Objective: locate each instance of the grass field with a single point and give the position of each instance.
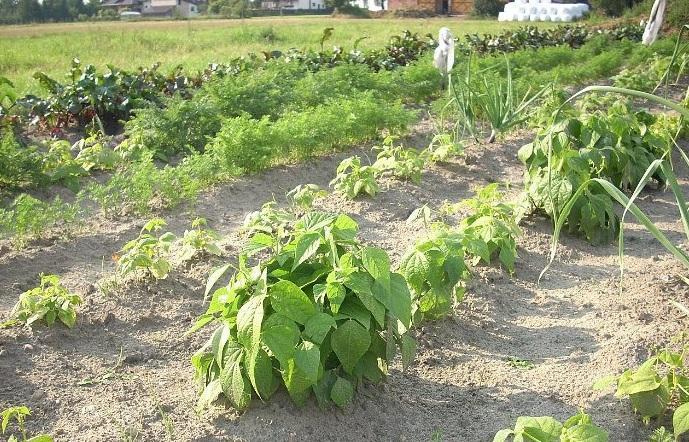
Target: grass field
(193, 44)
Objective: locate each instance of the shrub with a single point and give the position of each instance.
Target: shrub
(614, 8)
(48, 302)
(488, 7)
(19, 167)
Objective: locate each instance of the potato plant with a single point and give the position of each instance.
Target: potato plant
(319, 314)
(578, 428)
(49, 302)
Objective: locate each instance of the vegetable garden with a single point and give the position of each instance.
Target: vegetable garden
(337, 244)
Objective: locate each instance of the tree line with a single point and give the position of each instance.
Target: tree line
(33, 11)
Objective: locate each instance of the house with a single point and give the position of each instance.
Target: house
(122, 5)
(455, 7)
(170, 8)
(371, 5)
(294, 5)
(156, 8)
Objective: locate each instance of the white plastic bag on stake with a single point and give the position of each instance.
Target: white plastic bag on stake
(654, 22)
(444, 56)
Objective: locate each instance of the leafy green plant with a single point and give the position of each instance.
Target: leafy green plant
(319, 315)
(19, 166)
(444, 146)
(579, 427)
(614, 144)
(352, 178)
(492, 225)
(304, 195)
(658, 385)
(94, 154)
(19, 414)
(198, 239)
(497, 100)
(148, 251)
(60, 166)
(402, 163)
(48, 302)
(435, 272)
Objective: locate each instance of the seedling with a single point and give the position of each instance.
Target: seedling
(523, 364)
(48, 302)
(353, 178)
(19, 414)
(304, 195)
(406, 164)
(547, 429)
(198, 240)
(147, 252)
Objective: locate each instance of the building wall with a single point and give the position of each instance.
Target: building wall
(453, 6)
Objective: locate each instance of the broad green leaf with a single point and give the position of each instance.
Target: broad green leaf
(651, 403)
(235, 385)
(318, 326)
(290, 301)
(342, 392)
(584, 433)
(680, 420)
(377, 262)
(218, 341)
(216, 274)
(308, 359)
(349, 342)
(281, 335)
(336, 294)
(345, 228)
(307, 246)
(414, 266)
(644, 379)
(296, 382)
(262, 375)
(543, 427)
(400, 299)
(323, 387)
(249, 320)
(408, 350)
(353, 309)
(604, 382)
(210, 394)
(502, 435)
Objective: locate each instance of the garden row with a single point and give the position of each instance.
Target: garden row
(314, 310)
(254, 119)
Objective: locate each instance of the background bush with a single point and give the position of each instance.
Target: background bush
(613, 8)
(488, 7)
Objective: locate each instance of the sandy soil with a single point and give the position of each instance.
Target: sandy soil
(129, 353)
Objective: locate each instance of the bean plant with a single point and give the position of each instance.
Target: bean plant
(658, 386)
(198, 239)
(49, 302)
(578, 428)
(319, 314)
(18, 414)
(148, 252)
(353, 178)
